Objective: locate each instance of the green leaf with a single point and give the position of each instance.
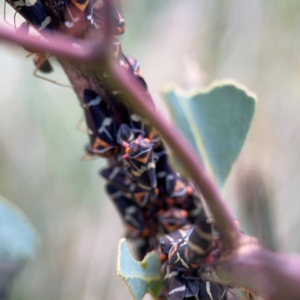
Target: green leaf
(215, 120)
(18, 242)
(140, 277)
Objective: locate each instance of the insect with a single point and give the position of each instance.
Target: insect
(182, 260)
(101, 128)
(130, 213)
(139, 154)
(40, 59)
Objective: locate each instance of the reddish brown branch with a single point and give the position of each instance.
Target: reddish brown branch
(62, 46)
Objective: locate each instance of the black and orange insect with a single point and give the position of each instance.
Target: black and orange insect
(183, 251)
(101, 128)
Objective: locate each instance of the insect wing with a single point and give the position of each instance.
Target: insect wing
(174, 283)
(211, 291)
(34, 11)
(142, 165)
(101, 127)
(192, 287)
(118, 177)
(125, 134)
(199, 241)
(130, 212)
(194, 207)
(166, 176)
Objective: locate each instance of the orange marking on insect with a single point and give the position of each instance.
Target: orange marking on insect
(98, 142)
(120, 30)
(174, 249)
(189, 190)
(130, 228)
(184, 213)
(163, 257)
(138, 197)
(81, 6)
(146, 232)
(143, 159)
(127, 150)
(170, 201)
(194, 266)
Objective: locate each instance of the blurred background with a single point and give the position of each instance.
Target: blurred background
(190, 43)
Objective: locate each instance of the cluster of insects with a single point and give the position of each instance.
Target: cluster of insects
(161, 210)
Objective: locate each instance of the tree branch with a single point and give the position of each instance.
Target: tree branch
(60, 45)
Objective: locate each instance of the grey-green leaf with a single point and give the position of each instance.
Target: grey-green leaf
(140, 277)
(215, 120)
(18, 242)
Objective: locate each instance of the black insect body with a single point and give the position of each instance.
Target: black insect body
(180, 272)
(141, 162)
(42, 63)
(200, 241)
(101, 128)
(129, 211)
(153, 200)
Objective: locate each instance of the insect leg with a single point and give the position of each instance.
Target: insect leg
(38, 67)
(4, 16)
(80, 128)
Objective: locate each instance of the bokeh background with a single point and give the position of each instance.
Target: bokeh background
(190, 43)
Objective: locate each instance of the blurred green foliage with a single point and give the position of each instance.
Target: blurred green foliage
(18, 243)
(190, 43)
